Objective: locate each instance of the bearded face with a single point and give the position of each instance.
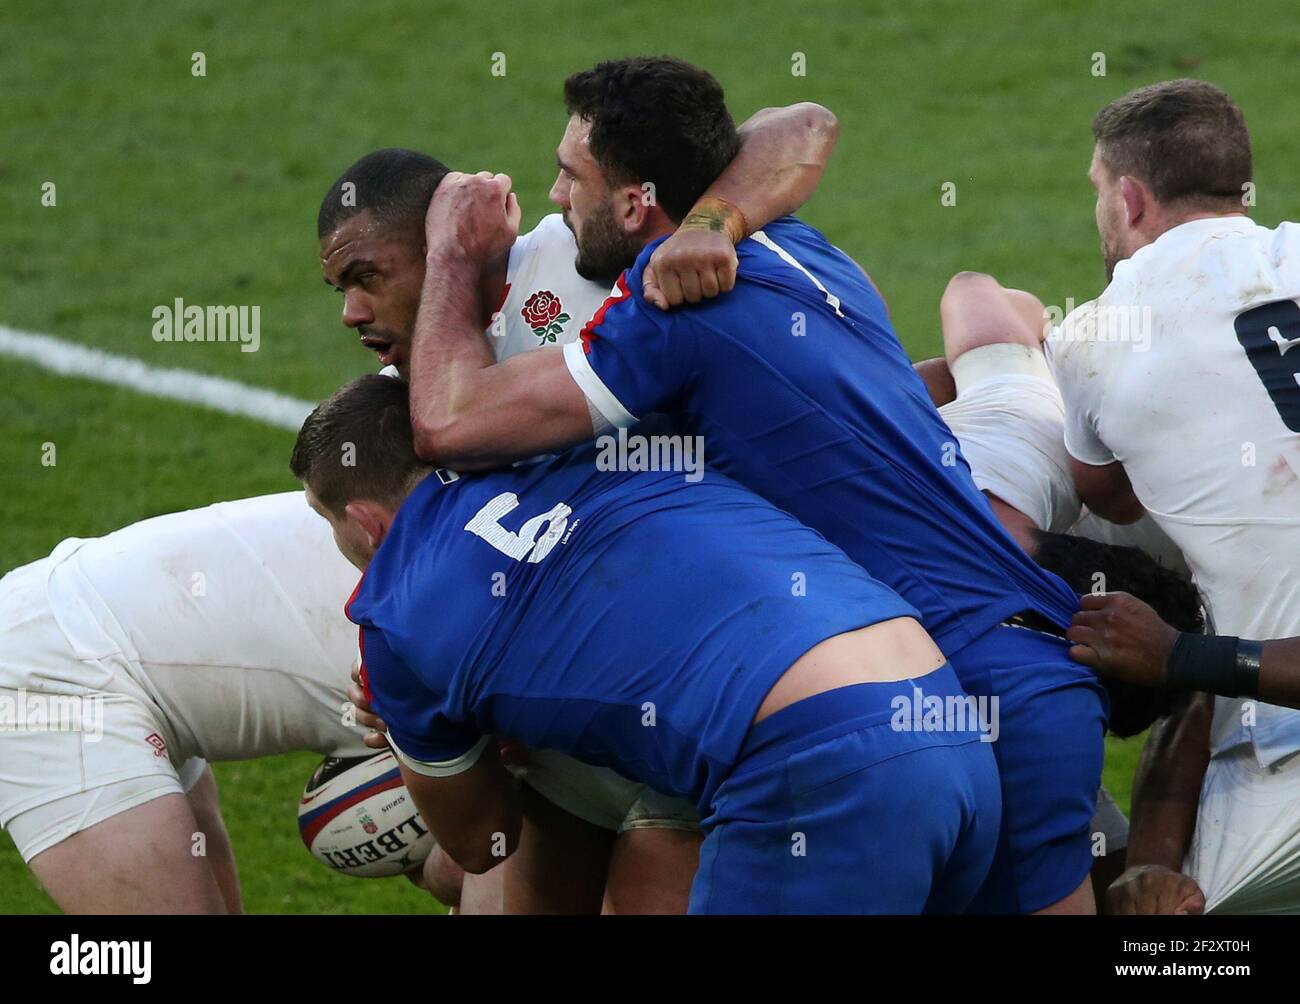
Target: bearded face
(605, 249)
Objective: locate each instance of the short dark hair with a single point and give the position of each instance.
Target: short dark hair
(358, 444)
(1129, 570)
(395, 186)
(1186, 139)
(656, 119)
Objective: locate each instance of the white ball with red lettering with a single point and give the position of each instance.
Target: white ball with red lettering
(356, 816)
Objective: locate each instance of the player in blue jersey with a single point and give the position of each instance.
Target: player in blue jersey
(679, 630)
(801, 392)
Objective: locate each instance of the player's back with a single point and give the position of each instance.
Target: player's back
(228, 618)
(802, 392)
(632, 620)
(1187, 369)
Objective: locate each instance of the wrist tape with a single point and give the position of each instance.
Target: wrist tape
(1217, 664)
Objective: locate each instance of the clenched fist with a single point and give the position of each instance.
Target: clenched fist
(691, 265)
(475, 216)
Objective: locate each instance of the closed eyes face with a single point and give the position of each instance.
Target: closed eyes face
(379, 278)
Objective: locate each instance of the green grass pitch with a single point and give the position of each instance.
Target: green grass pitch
(171, 185)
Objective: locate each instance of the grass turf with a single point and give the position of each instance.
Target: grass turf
(205, 188)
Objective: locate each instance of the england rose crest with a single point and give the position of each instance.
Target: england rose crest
(544, 313)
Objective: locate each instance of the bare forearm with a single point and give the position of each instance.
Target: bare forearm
(474, 817)
(1279, 672)
(469, 412)
(1167, 785)
(448, 348)
(782, 156)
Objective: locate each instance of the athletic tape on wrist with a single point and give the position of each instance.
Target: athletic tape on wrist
(1217, 664)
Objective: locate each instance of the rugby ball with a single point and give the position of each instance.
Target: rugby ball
(357, 817)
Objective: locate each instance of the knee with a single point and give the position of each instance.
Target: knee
(967, 287)
(968, 280)
(1031, 310)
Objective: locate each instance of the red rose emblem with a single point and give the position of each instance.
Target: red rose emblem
(544, 313)
(541, 308)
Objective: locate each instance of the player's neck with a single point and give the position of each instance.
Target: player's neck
(663, 229)
(1178, 220)
(656, 224)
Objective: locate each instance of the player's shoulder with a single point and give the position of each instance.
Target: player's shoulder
(779, 239)
(1071, 343)
(1200, 245)
(789, 253)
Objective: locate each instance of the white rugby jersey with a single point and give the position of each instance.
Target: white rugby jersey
(1010, 421)
(546, 301)
(228, 618)
(1185, 370)
(1009, 427)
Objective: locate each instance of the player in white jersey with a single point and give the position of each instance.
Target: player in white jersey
(593, 840)
(995, 391)
(213, 634)
(1182, 399)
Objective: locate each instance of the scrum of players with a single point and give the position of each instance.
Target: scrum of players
(626, 691)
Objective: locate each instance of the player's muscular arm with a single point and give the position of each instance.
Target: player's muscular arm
(782, 156)
(1166, 793)
(467, 411)
(474, 815)
(1106, 490)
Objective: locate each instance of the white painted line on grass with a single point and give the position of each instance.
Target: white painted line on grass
(218, 393)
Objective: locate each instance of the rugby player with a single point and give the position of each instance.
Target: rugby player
(995, 391)
(593, 841)
(370, 228)
(802, 393)
(214, 634)
(777, 709)
(1182, 400)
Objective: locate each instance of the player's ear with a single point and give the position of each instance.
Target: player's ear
(633, 205)
(372, 518)
(1136, 199)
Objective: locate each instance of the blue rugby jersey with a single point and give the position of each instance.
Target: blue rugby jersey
(631, 620)
(802, 393)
